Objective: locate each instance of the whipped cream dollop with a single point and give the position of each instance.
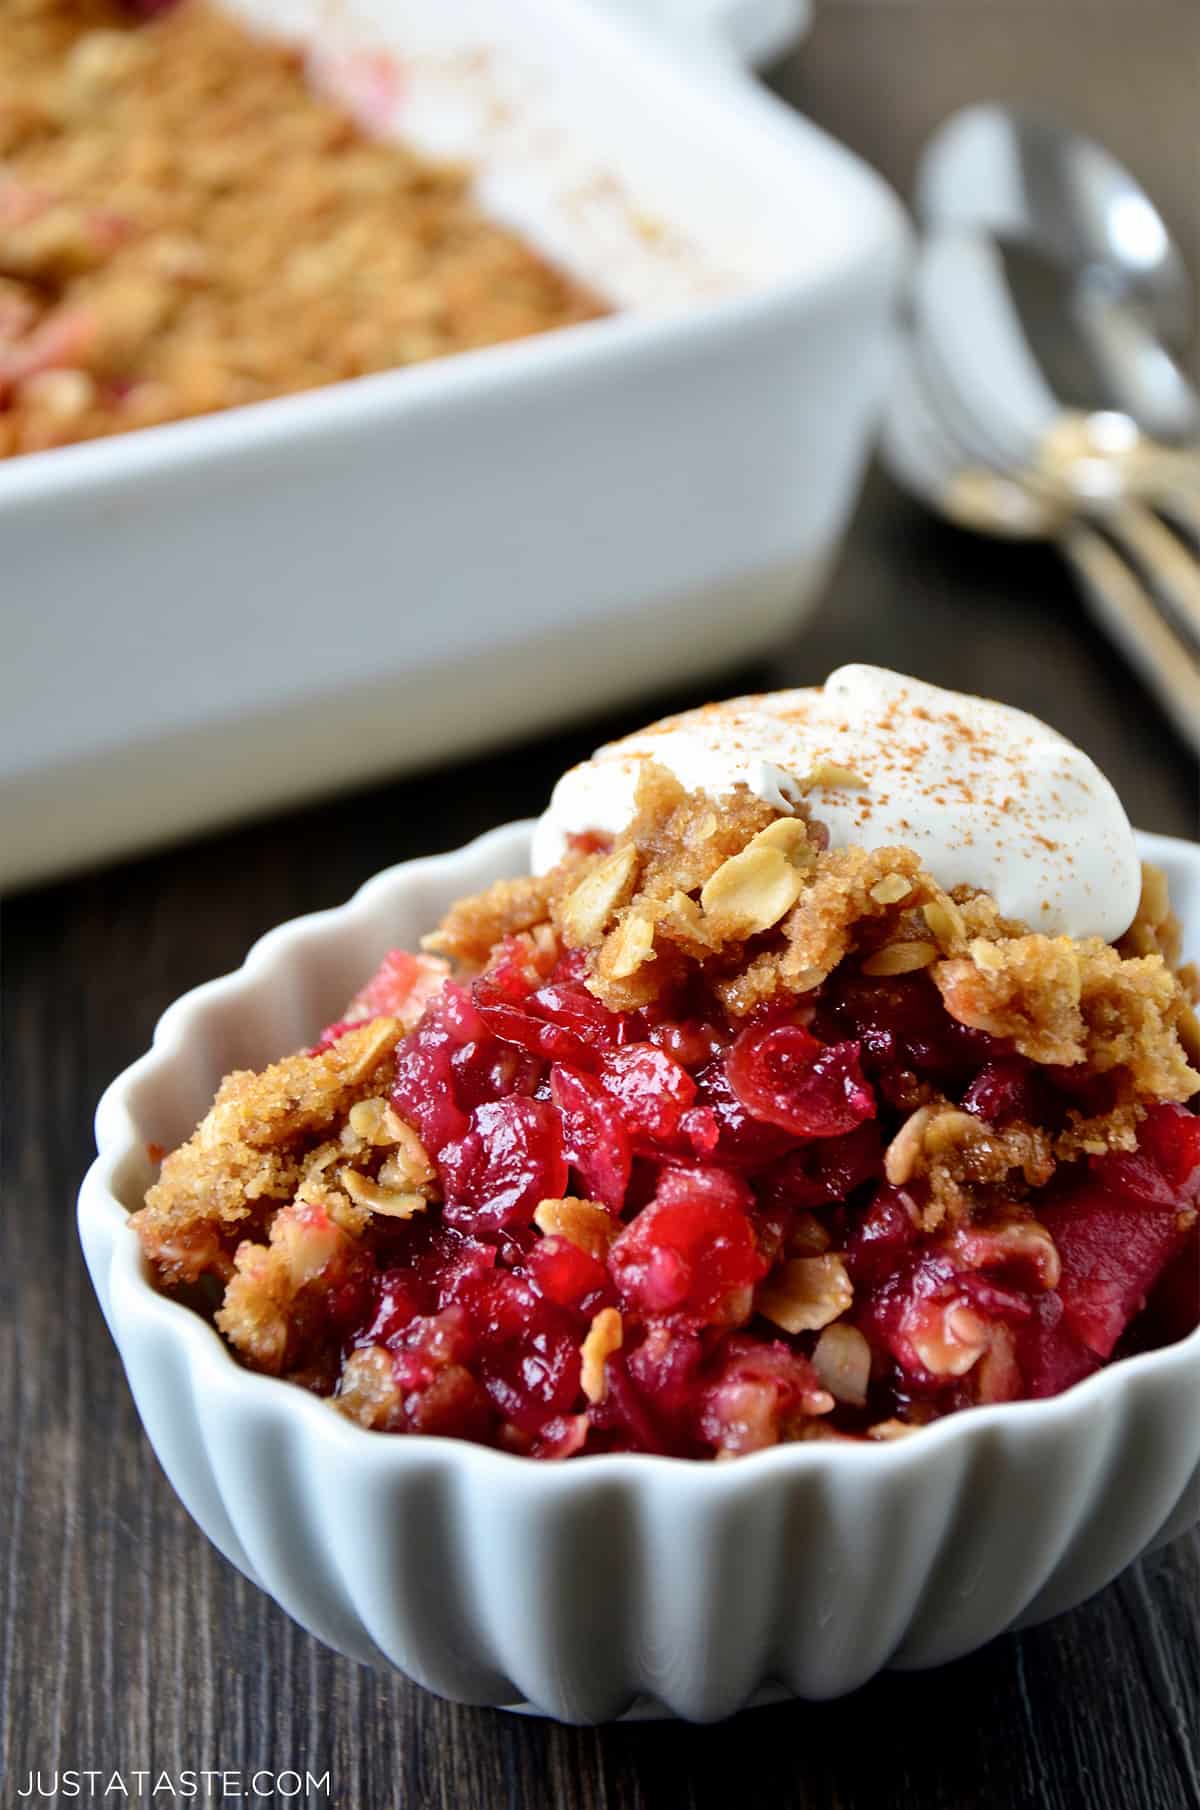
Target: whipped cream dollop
(986, 795)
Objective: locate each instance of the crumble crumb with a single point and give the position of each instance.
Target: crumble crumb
(249, 1154)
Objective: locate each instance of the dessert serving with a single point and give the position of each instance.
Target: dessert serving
(834, 1070)
(187, 223)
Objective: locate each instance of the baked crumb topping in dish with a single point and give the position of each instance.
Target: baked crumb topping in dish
(711, 1137)
(186, 225)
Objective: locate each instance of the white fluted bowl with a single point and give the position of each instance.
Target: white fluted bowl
(606, 1584)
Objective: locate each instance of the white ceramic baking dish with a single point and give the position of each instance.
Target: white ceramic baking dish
(221, 615)
(601, 1583)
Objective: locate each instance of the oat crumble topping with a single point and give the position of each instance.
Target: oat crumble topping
(185, 226)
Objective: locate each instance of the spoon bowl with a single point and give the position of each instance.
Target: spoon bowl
(926, 459)
(1025, 180)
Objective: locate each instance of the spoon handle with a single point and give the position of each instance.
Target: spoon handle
(1167, 562)
(1180, 501)
(1125, 609)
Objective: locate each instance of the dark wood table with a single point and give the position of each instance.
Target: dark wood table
(125, 1641)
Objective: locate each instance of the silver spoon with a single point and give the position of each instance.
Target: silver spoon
(978, 370)
(925, 459)
(1027, 180)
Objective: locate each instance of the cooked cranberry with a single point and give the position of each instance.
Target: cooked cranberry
(401, 987)
(454, 1264)
(664, 1367)
(651, 1090)
(511, 976)
(489, 1069)
(509, 1158)
(700, 1127)
(786, 1077)
(423, 1090)
(742, 1140)
(439, 1393)
(1003, 1090)
(721, 1186)
(914, 1314)
(691, 1255)
(561, 1437)
(826, 1171)
(594, 1136)
(397, 1299)
(625, 1417)
(1170, 1138)
(1050, 1357)
(1132, 1175)
(534, 1378)
(901, 1023)
(1113, 1250)
(692, 1042)
(569, 1277)
(757, 1391)
(1174, 1306)
(1088, 1093)
(994, 1299)
(566, 1001)
(400, 983)
(541, 1037)
(443, 1338)
(331, 1034)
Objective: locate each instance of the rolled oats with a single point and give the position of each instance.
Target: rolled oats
(591, 907)
(604, 1337)
(631, 944)
(583, 1222)
(829, 773)
(904, 1154)
(842, 1360)
(900, 958)
(950, 1340)
(891, 889)
(751, 891)
(806, 1293)
(376, 1198)
(947, 923)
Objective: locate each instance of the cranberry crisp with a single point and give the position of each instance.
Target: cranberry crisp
(187, 223)
(710, 1139)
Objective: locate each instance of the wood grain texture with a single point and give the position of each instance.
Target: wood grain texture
(125, 1641)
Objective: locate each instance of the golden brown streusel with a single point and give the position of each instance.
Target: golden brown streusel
(185, 225)
(1059, 1000)
(472, 927)
(962, 1159)
(1071, 1002)
(262, 1314)
(250, 1153)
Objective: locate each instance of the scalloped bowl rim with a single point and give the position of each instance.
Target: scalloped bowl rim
(216, 1368)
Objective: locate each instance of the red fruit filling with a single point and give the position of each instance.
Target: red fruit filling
(708, 1150)
(785, 1077)
(690, 1256)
